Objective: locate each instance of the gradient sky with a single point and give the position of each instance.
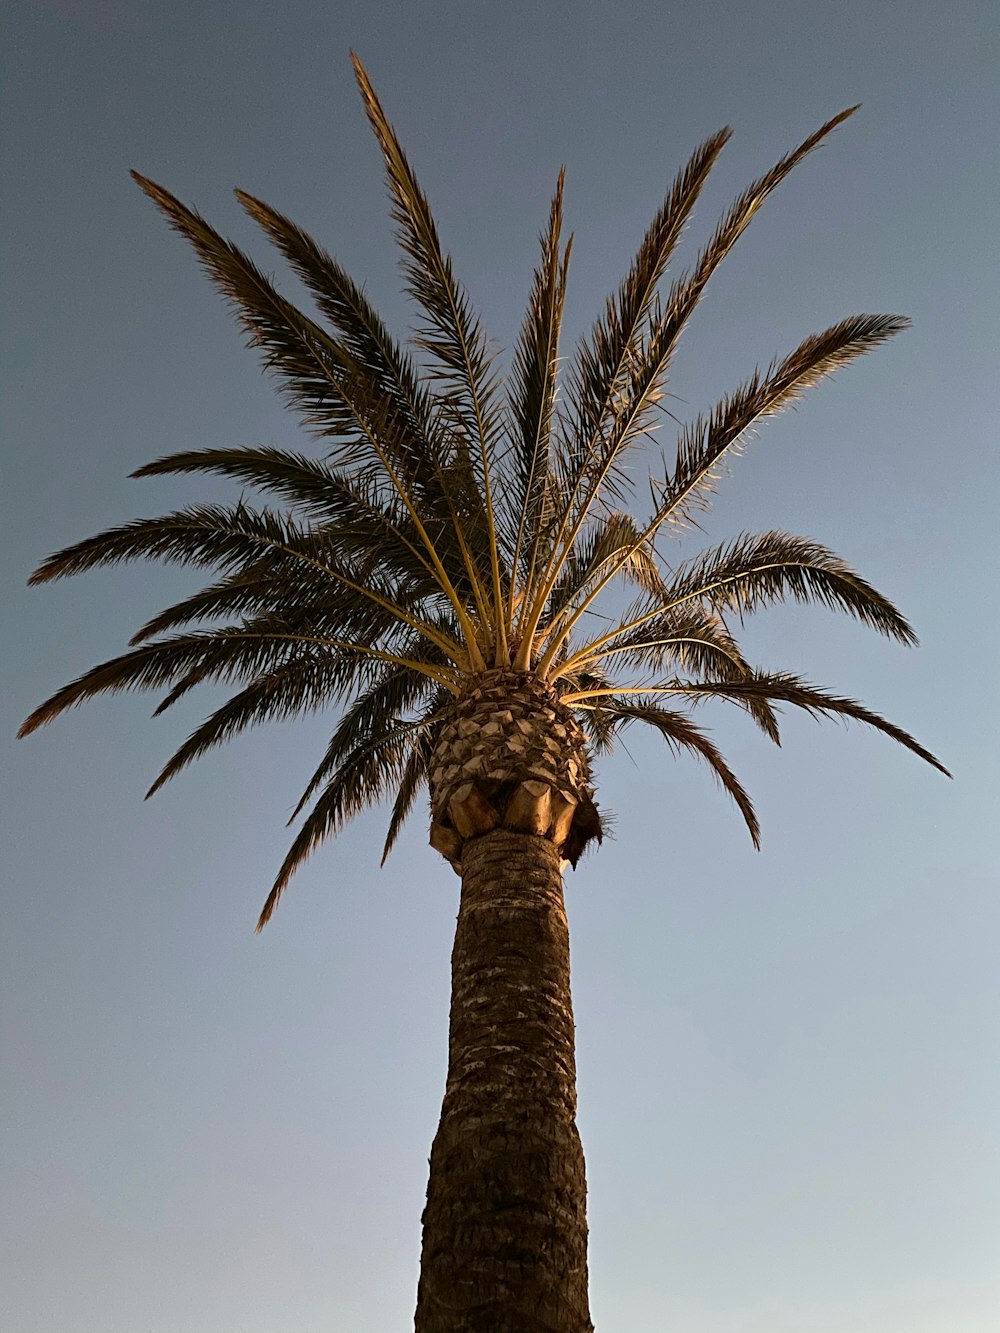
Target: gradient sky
(789, 1088)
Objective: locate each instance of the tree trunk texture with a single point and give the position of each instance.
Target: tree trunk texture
(505, 1231)
(511, 756)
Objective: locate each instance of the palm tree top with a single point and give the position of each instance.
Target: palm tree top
(457, 524)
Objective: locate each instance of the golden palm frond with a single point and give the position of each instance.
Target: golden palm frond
(462, 538)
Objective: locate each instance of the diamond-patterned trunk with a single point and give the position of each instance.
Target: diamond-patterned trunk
(511, 756)
(505, 1229)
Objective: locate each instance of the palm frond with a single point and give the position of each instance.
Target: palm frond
(357, 323)
(646, 360)
(233, 654)
(781, 687)
(744, 575)
(596, 550)
(231, 539)
(308, 484)
(704, 442)
(605, 362)
(365, 777)
(394, 692)
(449, 331)
(218, 656)
(533, 391)
(333, 392)
(691, 640)
(199, 535)
(776, 687)
(154, 666)
(365, 521)
(422, 741)
(628, 378)
(295, 688)
(413, 777)
(271, 589)
(680, 733)
(667, 321)
(640, 392)
(184, 686)
(315, 372)
(757, 570)
(371, 752)
(427, 444)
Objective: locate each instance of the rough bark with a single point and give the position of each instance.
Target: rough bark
(505, 1232)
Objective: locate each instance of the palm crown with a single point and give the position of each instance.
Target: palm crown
(460, 523)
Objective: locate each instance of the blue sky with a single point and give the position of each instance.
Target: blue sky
(788, 1077)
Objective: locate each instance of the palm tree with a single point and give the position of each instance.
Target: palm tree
(431, 574)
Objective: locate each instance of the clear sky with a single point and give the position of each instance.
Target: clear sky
(789, 1088)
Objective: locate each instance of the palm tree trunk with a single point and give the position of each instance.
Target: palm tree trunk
(505, 1231)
